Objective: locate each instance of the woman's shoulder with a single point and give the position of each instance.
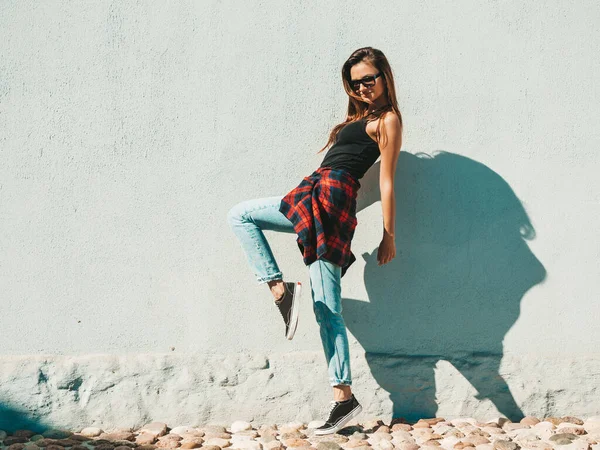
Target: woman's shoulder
(390, 120)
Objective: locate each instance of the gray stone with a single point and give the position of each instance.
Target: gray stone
(561, 436)
(328, 445)
(24, 433)
(213, 429)
(32, 446)
(505, 445)
(14, 440)
(56, 434)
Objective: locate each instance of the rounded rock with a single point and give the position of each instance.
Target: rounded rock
(407, 446)
(247, 445)
(56, 434)
(66, 442)
(192, 443)
(10, 440)
(167, 443)
(385, 445)
(295, 442)
(145, 438)
(378, 437)
(24, 433)
(272, 445)
(484, 447)
(337, 438)
(211, 428)
(223, 443)
(292, 426)
(557, 436)
(32, 446)
(477, 440)
(572, 419)
(328, 445)
(240, 425)
(553, 420)
(354, 443)
(91, 432)
(295, 434)
(211, 435)
(506, 445)
(181, 430)
(371, 426)
(155, 428)
(530, 420)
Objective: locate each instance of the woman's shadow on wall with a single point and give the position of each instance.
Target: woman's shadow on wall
(454, 289)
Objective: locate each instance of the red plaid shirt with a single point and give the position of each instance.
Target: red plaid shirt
(323, 210)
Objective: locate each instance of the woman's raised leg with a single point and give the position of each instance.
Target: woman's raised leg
(247, 220)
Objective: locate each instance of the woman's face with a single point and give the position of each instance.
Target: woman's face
(368, 94)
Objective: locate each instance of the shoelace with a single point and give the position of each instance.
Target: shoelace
(332, 405)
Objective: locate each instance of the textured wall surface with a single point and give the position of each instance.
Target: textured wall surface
(129, 129)
(117, 391)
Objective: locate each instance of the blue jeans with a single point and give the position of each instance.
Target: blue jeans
(247, 220)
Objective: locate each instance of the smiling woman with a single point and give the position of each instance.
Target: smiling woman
(321, 211)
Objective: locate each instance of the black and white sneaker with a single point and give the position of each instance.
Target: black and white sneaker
(288, 306)
(340, 414)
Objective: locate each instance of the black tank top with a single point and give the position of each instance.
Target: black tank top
(353, 150)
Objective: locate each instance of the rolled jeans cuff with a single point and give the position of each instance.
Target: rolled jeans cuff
(336, 381)
(262, 280)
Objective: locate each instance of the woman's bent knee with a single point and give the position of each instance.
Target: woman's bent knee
(235, 213)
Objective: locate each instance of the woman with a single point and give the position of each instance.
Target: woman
(322, 212)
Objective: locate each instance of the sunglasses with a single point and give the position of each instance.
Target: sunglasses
(368, 81)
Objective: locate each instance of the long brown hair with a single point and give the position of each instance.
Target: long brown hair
(357, 108)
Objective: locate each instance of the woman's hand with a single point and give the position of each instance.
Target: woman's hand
(387, 249)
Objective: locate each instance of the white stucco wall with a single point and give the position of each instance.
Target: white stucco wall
(129, 129)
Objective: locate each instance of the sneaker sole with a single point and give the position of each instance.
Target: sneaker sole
(294, 319)
(355, 412)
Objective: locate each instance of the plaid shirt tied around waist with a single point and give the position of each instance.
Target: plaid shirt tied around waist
(322, 209)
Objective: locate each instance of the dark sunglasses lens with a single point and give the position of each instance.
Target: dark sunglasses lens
(366, 81)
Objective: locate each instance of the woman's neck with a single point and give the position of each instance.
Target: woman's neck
(371, 110)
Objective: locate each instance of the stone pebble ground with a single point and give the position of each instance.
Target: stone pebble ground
(531, 433)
